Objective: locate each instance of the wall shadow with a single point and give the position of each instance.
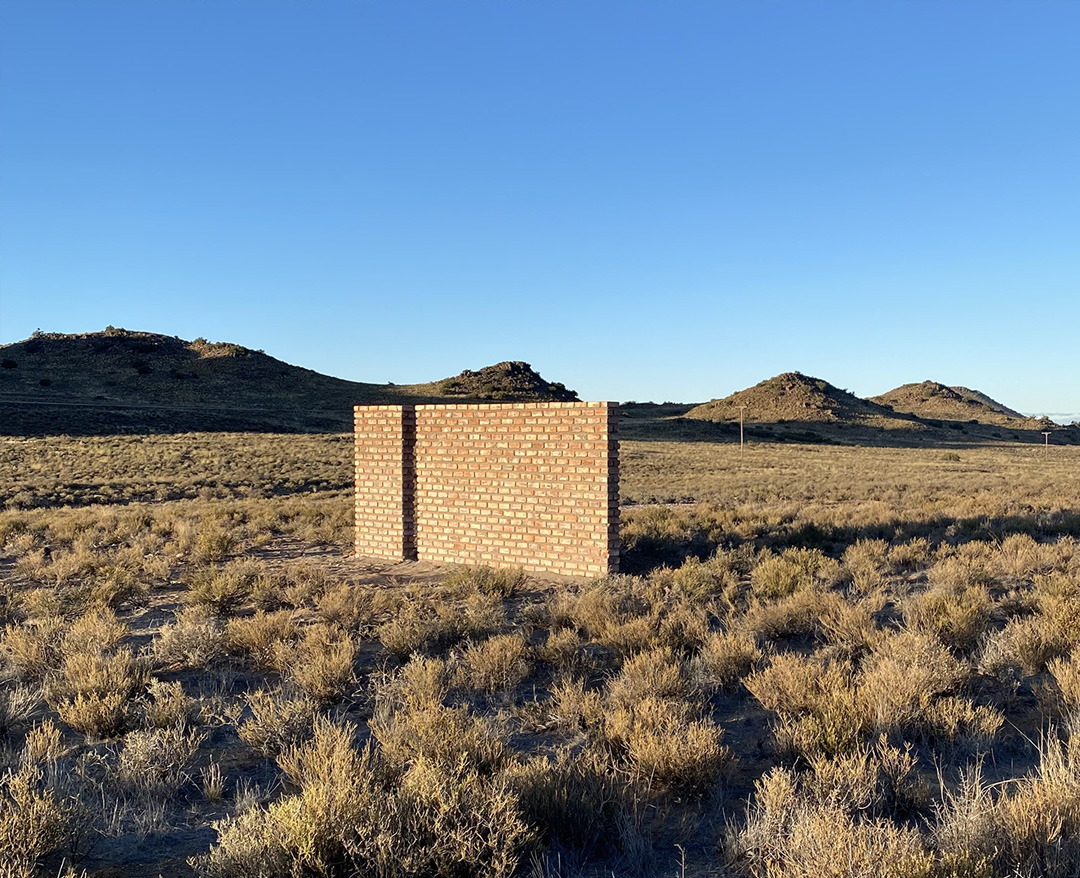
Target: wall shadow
(670, 541)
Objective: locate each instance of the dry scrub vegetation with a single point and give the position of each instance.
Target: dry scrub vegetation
(849, 662)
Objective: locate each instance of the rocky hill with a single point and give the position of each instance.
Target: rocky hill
(793, 396)
(123, 381)
(930, 399)
(793, 407)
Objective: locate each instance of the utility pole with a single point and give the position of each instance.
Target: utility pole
(1046, 446)
(742, 417)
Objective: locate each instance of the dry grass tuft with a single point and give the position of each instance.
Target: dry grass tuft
(223, 589)
(195, 640)
(34, 821)
(277, 722)
(355, 811)
(494, 665)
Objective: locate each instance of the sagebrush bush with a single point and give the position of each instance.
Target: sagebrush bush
(818, 707)
(411, 723)
(494, 665)
(347, 606)
(155, 762)
(222, 588)
(167, 705)
(486, 580)
(93, 691)
(867, 563)
(570, 800)
(18, 705)
(277, 721)
(724, 659)
(957, 617)
(34, 649)
(792, 834)
(666, 744)
(320, 663)
(34, 821)
(779, 576)
(195, 640)
(797, 615)
(1066, 674)
(656, 673)
(259, 638)
(355, 811)
(903, 677)
(1031, 829)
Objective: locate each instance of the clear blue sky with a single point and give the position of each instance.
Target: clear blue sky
(645, 200)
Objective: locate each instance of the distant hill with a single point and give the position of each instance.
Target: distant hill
(793, 396)
(930, 399)
(793, 407)
(118, 380)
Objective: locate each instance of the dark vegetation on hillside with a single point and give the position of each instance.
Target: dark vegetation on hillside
(118, 381)
(506, 382)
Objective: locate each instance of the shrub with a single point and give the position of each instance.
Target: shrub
(666, 746)
(850, 626)
(816, 702)
(1034, 829)
(195, 640)
(656, 674)
(93, 690)
(98, 630)
(33, 821)
(790, 835)
(958, 618)
(570, 800)
(797, 615)
(1028, 645)
(167, 705)
(213, 542)
(573, 707)
(724, 659)
(347, 606)
(33, 650)
(909, 556)
(794, 570)
(321, 663)
(153, 763)
(222, 589)
(562, 649)
(1066, 673)
(18, 704)
(356, 811)
(277, 722)
(412, 724)
(906, 673)
(260, 637)
(486, 580)
(494, 665)
(867, 562)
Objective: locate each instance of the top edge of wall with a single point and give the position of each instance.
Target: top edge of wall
(482, 406)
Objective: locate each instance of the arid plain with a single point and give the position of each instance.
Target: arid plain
(823, 658)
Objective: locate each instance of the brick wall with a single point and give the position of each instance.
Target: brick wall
(534, 485)
(385, 525)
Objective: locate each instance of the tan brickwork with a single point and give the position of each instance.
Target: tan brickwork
(385, 525)
(534, 485)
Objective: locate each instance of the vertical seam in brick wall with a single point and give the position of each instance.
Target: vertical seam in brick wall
(408, 482)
